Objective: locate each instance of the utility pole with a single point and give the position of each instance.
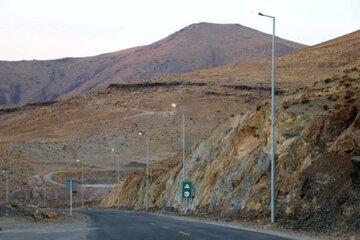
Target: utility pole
(273, 147)
(146, 198)
(82, 182)
(183, 155)
(118, 181)
(71, 183)
(174, 105)
(147, 177)
(6, 184)
(45, 193)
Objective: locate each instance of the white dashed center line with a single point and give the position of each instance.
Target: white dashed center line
(184, 233)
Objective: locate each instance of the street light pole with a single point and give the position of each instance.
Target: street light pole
(118, 180)
(183, 155)
(183, 143)
(146, 199)
(183, 151)
(273, 149)
(7, 184)
(45, 193)
(147, 176)
(82, 182)
(70, 192)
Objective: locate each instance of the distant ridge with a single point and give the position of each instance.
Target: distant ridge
(198, 46)
(294, 70)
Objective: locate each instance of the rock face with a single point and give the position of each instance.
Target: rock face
(355, 171)
(317, 182)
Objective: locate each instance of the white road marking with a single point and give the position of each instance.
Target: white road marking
(151, 223)
(184, 233)
(164, 227)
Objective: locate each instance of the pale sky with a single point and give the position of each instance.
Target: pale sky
(49, 29)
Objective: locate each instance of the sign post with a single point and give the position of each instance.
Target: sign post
(187, 191)
(71, 185)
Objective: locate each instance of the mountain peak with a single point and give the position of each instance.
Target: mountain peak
(197, 46)
(213, 28)
(212, 25)
(227, 36)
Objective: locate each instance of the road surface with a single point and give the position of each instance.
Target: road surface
(113, 224)
(48, 178)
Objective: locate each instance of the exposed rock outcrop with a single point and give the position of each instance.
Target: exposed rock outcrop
(317, 182)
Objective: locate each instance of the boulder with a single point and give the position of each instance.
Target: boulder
(51, 214)
(39, 214)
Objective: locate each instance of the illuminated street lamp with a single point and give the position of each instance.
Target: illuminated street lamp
(82, 182)
(174, 105)
(146, 200)
(118, 179)
(272, 198)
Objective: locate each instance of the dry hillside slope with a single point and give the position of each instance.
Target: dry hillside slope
(318, 168)
(40, 138)
(37, 139)
(197, 46)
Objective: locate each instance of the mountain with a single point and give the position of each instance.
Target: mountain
(197, 46)
(226, 113)
(296, 69)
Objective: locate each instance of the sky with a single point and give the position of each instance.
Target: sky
(50, 29)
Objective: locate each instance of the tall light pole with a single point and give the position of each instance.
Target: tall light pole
(146, 200)
(174, 105)
(118, 180)
(7, 184)
(45, 193)
(272, 198)
(82, 182)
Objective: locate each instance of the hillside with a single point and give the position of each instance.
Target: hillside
(197, 46)
(41, 138)
(318, 139)
(300, 68)
(38, 139)
(227, 128)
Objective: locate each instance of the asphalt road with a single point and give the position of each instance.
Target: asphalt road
(113, 224)
(136, 225)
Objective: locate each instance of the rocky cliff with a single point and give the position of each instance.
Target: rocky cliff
(317, 169)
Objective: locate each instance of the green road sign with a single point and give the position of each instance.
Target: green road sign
(187, 189)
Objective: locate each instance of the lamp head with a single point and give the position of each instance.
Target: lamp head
(260, 14)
